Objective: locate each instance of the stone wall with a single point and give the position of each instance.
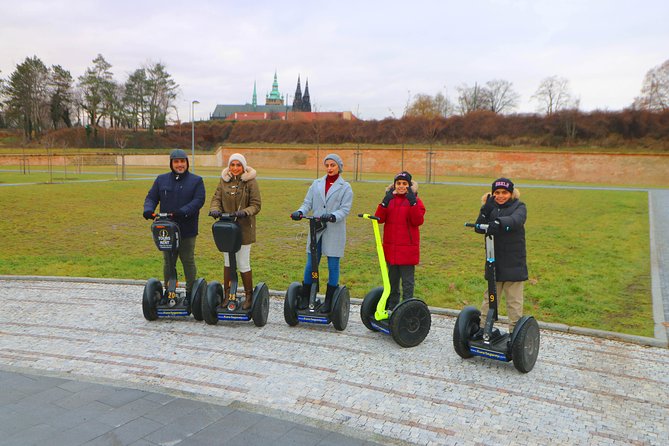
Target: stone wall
(619, 169)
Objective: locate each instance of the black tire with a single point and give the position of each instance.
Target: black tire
(153, 291)
(410, 323)
(466, 325)
(211, 301)
(290, 303)
(199, 288)
(260, 309)
(525, 347)
(341, 308)
(368, 307)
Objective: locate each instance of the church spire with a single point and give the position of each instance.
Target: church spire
(297, 100)
(254, 101)
(306, 101)
(274, 98)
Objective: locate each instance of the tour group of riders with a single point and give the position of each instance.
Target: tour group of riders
(181, 193)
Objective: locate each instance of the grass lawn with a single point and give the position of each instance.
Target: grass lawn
(588, 251)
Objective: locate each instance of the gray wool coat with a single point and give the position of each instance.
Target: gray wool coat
(338, 202)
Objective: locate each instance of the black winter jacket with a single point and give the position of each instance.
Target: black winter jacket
(174, 192)
(510, 251)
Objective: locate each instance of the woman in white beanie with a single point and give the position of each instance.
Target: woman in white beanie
(330, 198)
(238, 194)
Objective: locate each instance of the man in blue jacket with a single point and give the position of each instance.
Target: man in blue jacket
(182, 194)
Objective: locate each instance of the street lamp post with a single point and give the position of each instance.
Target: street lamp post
(192, 139)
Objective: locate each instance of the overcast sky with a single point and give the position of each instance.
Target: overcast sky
(368, 57)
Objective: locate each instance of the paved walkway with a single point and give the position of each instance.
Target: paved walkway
(306, 382)
(658, 205)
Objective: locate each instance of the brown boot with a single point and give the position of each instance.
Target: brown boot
(247, 280)
(226, 286)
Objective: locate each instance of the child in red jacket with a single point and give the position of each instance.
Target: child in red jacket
(402, 212)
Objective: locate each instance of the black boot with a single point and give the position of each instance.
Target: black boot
(303, 298)
(325, 307)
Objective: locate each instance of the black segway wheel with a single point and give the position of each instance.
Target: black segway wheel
(199, 289)
(212, 299)
(153, 291)
(368, 307)
(410, 322)
(260, 309)
(525, 346)
(290, 303)
(341, 308)
(466, 325)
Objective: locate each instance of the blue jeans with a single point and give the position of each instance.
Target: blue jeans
(333, 268)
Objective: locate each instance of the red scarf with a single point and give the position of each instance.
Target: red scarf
(329, 181)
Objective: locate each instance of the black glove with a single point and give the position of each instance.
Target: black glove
(389, 196)
(178, 214)
(328, 217)
(148, 215)
(239, 214)
(493, 227)
(411, 196)
(488, 207)
(297, 215)
(215, 214)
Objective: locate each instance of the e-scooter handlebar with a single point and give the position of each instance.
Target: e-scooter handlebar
(481, 226)
(369, 216)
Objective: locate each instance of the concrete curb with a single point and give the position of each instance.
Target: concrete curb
(623, 337)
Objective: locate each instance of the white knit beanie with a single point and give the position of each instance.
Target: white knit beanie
(237, 157)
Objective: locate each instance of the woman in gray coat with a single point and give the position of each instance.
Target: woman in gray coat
(330, 198)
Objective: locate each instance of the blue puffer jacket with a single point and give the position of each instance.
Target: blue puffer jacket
(174, 192)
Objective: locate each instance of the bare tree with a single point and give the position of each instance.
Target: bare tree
(471, 99)
(501, 96)
(655, 89)
(554, 95)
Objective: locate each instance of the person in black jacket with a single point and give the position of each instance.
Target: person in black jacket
(505, 215)
(182, 194)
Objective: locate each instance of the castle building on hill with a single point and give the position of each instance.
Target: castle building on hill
(276, 107)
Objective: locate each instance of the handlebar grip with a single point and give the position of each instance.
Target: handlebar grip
(470, 225)
(369, 216)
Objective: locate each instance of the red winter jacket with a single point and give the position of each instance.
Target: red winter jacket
(401, 238)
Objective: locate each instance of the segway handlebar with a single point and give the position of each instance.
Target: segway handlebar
(369, 216)
(481, 226)
(163, 215)
(310, 217)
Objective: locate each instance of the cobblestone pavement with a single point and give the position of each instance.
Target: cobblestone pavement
(583, 390)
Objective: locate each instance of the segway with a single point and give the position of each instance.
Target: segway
(522, 346)
(409, 321)
(173, 302)
(296, 310)
(228, 238)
